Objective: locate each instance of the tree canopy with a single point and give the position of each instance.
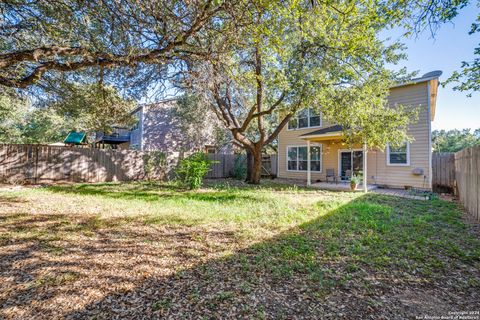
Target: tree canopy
(254, 63)
(454, 140)
(278, 58)
(89, 108)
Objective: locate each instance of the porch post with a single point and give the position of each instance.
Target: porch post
(365, 187)
(309, 175)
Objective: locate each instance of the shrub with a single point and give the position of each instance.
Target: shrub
(154, 163)
(193, 169)
(357, 179)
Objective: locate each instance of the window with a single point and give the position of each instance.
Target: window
(137, 122)
(398, 156)
(306, 118)
(210, 149)
(297, 159)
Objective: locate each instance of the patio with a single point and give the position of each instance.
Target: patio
(344, 186)
(339, 186)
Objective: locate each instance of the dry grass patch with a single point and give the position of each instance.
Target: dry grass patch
(230, 251)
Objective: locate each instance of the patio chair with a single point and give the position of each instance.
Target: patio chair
(347, 176)
(331, 175)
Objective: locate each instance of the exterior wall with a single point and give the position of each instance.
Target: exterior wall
(420, 147)
(378, 172)
(160, 132)
(136, 134)
(160, 129)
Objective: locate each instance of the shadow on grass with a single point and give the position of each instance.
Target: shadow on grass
(150, 192)
(340, 265)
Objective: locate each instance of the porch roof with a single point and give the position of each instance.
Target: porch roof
(332, 132)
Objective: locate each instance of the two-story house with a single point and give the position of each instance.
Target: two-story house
(309, 148)
(158, 128)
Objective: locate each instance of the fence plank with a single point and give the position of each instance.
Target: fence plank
(443, 175)
(467, 166)
(44, 164)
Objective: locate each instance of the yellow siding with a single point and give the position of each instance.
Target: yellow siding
(377, 169)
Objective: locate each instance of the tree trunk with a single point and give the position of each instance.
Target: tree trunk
(257, 168)
(254, 166)
(248, 178)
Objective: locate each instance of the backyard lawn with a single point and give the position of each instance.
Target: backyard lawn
(151, 250)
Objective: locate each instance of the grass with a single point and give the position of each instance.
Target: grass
(222, 245)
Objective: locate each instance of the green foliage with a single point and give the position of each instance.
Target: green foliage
(193, 169)
(154, 162)
(468, 78)
(13, 109)
(357, 179)
(454, 140)
(198, 123)
(288, 56)
(94, 107)
(240, 167)
(87, 108)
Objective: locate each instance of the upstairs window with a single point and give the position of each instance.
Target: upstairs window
(398, 156)
(210, 149)
(137, 122)
(306, 118)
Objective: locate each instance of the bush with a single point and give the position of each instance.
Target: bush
(357, 179)
(193, 169)
(154, 164)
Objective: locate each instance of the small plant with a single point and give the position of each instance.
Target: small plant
(193, 169)
(153, 161)
(355, 180)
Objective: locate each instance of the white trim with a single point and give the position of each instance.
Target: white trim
(304, 145)
(340, 158)
(398, 164)
(429, 120)
(326, 135)
(278, 155)
(415, 81)
(309, 127)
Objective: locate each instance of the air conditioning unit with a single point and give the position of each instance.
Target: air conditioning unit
(417, 171)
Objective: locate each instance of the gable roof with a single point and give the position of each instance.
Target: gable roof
(432, 75)
(336, 128)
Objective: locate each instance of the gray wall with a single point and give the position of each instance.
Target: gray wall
(161, 130)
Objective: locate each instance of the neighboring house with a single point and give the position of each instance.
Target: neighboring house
(407, 166)
(159, 129)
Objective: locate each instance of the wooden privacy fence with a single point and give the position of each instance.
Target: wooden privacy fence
(467, 174)
(43, 164)
(224, 166)
(443, 171)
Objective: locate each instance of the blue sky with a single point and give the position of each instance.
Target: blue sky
(451, 45)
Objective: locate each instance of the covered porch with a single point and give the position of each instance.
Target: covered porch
(339, 161)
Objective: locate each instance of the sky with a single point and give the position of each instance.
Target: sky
(451, 45)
